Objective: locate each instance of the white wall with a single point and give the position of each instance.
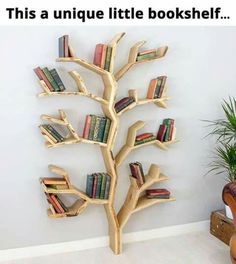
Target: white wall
(200, 66)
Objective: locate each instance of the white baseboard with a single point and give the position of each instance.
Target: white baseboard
(58, 248)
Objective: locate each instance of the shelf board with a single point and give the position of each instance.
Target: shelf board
(144, 202)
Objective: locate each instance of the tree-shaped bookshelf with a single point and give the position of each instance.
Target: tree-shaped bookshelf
(136, 199)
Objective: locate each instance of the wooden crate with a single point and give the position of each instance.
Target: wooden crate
(221, 226)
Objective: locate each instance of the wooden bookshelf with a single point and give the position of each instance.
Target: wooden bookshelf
(135, 200)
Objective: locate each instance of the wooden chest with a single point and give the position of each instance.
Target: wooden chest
(221, 226)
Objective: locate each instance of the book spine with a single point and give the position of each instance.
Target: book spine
(54, 198)
(94, 185)
(51, 80)
(92, 125)
(161, 132)
(99, 185)
(158, 87)
(124, 105)
(54, 132)
(168, 122)
(48, 134)
(101, 129)
(132, 170)
(96, 128)
(122, 101)
(51, 201)
(103, 186)
(98, 55)
(162, 87)
(108, 59)
(141, 171)
(151, 89)
(157, 197)
(143, 136)
(107, 189)
(89, 185)
(53, 135)
(43, 77)
(66, 46)
(103, 57)
(144, 140)
(106, 131)
(57, 79)
(61, 47)
(86, 127)
(148, 56)
(62, 204)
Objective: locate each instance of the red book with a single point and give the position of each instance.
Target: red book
(103, 59)
(43, 77)
(53, 197)
(143, 136)
(157, 192)
(161, 132)
(100, 55)
(66, 45)
(53, 203)
(152, 89)
(122, 101)
(139, 174)
(87, 127)
(94, 185)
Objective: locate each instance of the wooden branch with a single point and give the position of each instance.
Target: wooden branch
(130, 143)
(160, 52)
(133, 201)
(79, 81)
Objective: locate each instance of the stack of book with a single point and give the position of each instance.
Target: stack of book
(123, 103)
(143, 138)
(102, 56)
(157, 194)
(166, 130)
(98, 185)
(65, 50)
(96, 128)
(50, 78)
(55, 183)
(147, 55)
(156, 87)
(137, 172)
(52, 134)
(56, 203)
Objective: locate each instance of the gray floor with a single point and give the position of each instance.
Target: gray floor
(199, 248)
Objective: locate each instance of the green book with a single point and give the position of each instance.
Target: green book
(54, 132)
(92, 125)
(58, 186)
(168, 122)
(106, 130)
(101, 129)
(96, 128)
(158, 87)
(144, 140)
(89, 185)
(103, 186)
(98, 187)
(108, 58)
(55, 86)
(62, 204)
(57, 79)
(147, 56)
(107, 189)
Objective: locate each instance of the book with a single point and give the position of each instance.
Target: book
(103, 186)
(89, 185)
(57, 79)
(61, 47)
(100, 55)
(44, 131)
(108, 58)
(52, 202)
(94, 185)
(137, 172)
(66, 46)
(101, 129)
(151, 89)
(51, 80)
(87, 126)
(54, 132)
(160, 191)
(103, 58)
(161, 89)
(168, 122)
(147, 56)
(121, 101)
(96, 128)
(106, 130)
(145, 140)
(157, 197)
(54, 198)
(62, 204)
(143, 136)
(39, 72)
(107, 188)
(98, 187)
(140, 167)
(92, 125)
(58, 186)
(158, 87)
(161, 132)
(124, 105)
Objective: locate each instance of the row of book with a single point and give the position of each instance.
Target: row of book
(123, 103)
(65, 49)
(98, 185)
(166, 130)
(52, 133)
(102, 56)
(51, 79)
(137, 172)
(156, 87)
(158, 194)
(96, 128)
(165, 133)
(147, 55)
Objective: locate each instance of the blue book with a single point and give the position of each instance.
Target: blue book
(98, 187)
(89, 185)
(107, 189)
(61, 47)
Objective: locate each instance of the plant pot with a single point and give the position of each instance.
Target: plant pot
(228, 212)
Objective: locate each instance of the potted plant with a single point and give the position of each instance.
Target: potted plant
(224, 160)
